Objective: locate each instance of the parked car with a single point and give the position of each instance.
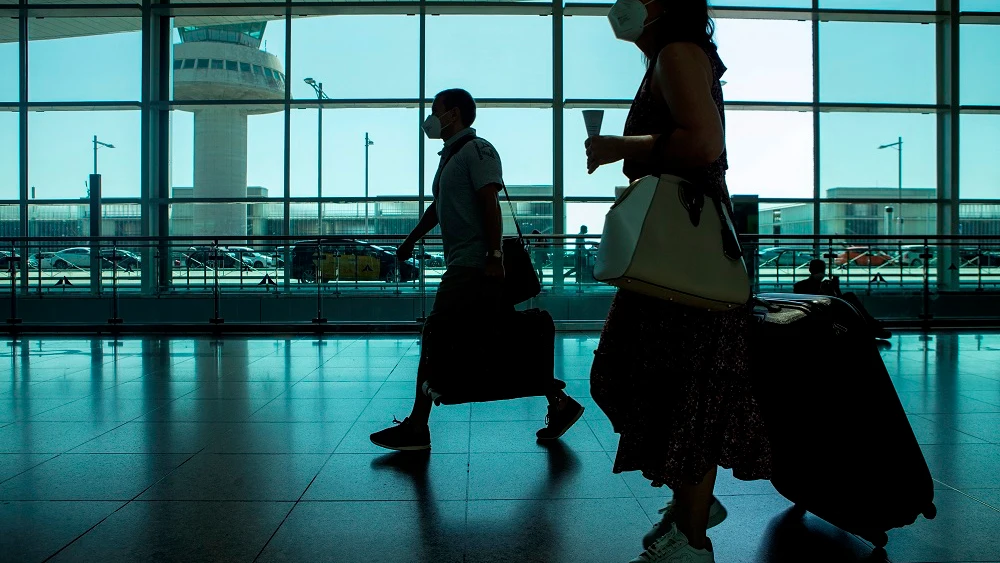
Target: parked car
(75, 258)
(9, 260)
(862, 256)
(349, 260)
(210, 257)
(259, 260)
(911, 255)
(784, 256)
(123, 259)
(978, 257)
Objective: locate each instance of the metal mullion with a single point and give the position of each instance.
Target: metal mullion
(162, 44)
(146, 142)
(558, 137)
(421, 143)
(287, 205)
(948, 181)
(817, 164)
(22, 110)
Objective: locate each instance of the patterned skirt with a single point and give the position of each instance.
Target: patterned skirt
(675, 383)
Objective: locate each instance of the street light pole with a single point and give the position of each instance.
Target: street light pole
(898, 145)
(368, 143)
(320, 95)
(96, 145)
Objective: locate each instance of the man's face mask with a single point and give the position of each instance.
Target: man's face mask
(432, 126)
(628, 19)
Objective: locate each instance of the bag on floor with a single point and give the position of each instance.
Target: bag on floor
(509, 358)
(842, 446)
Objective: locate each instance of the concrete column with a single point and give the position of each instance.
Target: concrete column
(220, 170)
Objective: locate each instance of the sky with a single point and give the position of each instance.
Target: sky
(770, 152)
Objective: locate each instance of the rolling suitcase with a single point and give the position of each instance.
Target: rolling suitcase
(509, 358)
(842, 446)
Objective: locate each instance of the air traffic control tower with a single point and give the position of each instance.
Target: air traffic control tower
(223, 62)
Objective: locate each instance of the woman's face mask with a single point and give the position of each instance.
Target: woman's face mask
(628, 19)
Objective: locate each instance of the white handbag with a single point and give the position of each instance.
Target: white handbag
(664, 238)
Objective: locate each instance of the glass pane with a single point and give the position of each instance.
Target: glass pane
(737, 3)
(522, 139)
(852, 165)
(221, 152)
(386, 65)
(877, 62)
(766, 60)
(980, 145)
(980, 5)
(979, 219)
(879, 4)
(598, 65)
(9, 67)
(61, 153)
(877, 219)
(10, 156)
(10, 222)
(605, 179)
(84, 59)
(980, 72)
(785, 219)
(770, 153)
(490, 56)
(218, 62)
(392, 158)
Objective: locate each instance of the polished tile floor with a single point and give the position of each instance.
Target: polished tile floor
(171, 449)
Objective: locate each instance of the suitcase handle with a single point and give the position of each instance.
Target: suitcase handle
(771, 307)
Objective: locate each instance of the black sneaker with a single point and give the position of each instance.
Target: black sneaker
(561, 418)
(403, 436)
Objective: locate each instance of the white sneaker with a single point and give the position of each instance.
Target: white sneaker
(716, 514)
(673, 547)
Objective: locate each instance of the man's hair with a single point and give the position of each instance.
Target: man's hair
(458, 98)
(817, 266)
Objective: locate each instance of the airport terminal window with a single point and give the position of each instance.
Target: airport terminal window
(392, 159)
(979, 146)
(84, 68)
(178, 64)
(10, 161)
(770, 153)
(232, 65)
(980, 68)
(54, 158)
(245, 67)
(261, 174)
(523, 140)
(202, 63)
(850, 157)
(598, 65)
(980, 5)
(881, 218)
(9, 64)
(257, 69)
(601, 183)
(189, 63)
(326, 49)
(928, 5)
(216, 64)
(517, 63)
(877, 62)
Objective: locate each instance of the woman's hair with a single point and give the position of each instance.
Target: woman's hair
(682, 20)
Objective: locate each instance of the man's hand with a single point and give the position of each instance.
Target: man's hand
(405, 250)
(494, 268)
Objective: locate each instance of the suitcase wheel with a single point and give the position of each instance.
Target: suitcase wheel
(878, 539)
(931, 512)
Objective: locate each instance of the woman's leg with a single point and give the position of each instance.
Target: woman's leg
(691, 505)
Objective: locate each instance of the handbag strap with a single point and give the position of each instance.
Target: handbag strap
(453, 150)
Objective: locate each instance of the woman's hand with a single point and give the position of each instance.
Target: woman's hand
(601, 150)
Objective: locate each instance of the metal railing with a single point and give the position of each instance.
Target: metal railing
(334, 266)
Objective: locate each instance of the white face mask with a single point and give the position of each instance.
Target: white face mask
(433, 127)
(628, 19)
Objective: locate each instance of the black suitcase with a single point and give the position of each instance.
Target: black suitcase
(508, 358)
(842, 446)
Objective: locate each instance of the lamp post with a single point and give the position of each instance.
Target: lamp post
(320, 95)
(96, 145)
(368, 143)
(898, 145)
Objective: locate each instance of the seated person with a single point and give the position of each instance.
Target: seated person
(815, 284)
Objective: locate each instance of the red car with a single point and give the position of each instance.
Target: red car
(862, 256)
